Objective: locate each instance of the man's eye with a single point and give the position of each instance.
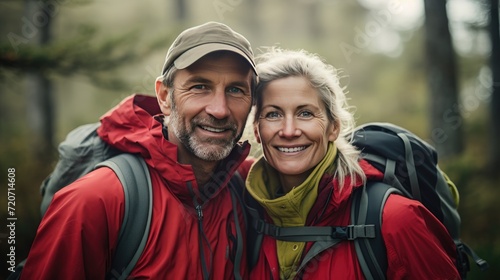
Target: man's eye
(199, 87)
(235, 90)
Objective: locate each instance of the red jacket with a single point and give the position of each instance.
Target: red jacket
(418, 245)
(78, 234)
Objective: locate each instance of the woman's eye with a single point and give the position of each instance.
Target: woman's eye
(305, 114)
(272, 115)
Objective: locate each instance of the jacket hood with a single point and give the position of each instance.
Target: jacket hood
(372, 174)
(331, 197)
(135, 126)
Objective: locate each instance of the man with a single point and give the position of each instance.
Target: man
(188, 135)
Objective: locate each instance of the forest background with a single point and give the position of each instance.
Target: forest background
(64, 63)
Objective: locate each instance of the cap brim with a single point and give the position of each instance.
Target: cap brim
(192, 55)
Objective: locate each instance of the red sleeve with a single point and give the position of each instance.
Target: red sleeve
(77, 236)
(418, 245)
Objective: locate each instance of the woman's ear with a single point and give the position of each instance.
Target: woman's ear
(256, 132)
(162, 97)
(333, 131)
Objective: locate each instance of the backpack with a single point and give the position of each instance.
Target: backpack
(410, 169)
(83, 151)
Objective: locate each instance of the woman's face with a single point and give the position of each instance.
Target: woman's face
(293, 127)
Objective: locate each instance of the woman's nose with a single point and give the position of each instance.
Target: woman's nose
(290, 129)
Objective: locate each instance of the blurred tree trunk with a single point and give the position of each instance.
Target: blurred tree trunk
(180, 10)
(252, 21)
(446, 120)
(495, 92)
(38, 85)
(313, 10)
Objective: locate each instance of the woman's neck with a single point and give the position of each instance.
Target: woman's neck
(288, 182)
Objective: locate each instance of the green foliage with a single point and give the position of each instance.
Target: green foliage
(84, 53)
(80, 54)
(479, 192)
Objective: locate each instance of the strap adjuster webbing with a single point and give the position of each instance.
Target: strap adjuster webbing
(304, 234)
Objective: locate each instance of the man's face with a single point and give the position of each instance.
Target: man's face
(210, 105)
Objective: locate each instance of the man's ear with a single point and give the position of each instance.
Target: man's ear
(162, 97)
(256, 132)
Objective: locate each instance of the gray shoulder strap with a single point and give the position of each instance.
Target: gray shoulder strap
(366, 208)
(136, 181)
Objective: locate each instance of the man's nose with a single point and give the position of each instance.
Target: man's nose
(217, 106)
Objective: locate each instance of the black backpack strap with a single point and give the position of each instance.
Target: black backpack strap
(236, 188)
(16, 274)
(252, 212)
(136, 181)
(464, 253)
(254, 238)
(315, 233)
(368, 203)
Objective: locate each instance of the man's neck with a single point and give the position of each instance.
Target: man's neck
(203, 171)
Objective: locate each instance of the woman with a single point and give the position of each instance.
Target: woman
(309, 171)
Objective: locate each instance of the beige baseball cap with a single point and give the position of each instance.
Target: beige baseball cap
(196, 42)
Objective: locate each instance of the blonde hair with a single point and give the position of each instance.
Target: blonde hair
(279, 63)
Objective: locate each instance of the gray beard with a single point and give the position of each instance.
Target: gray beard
(196, 147)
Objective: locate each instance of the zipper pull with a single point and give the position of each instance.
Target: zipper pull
(196, 205)
(200, 212)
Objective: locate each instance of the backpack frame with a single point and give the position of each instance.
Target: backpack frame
(410, 169)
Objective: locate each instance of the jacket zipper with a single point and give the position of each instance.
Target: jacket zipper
(205, 265)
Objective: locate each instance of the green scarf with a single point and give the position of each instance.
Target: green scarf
(290, 209)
